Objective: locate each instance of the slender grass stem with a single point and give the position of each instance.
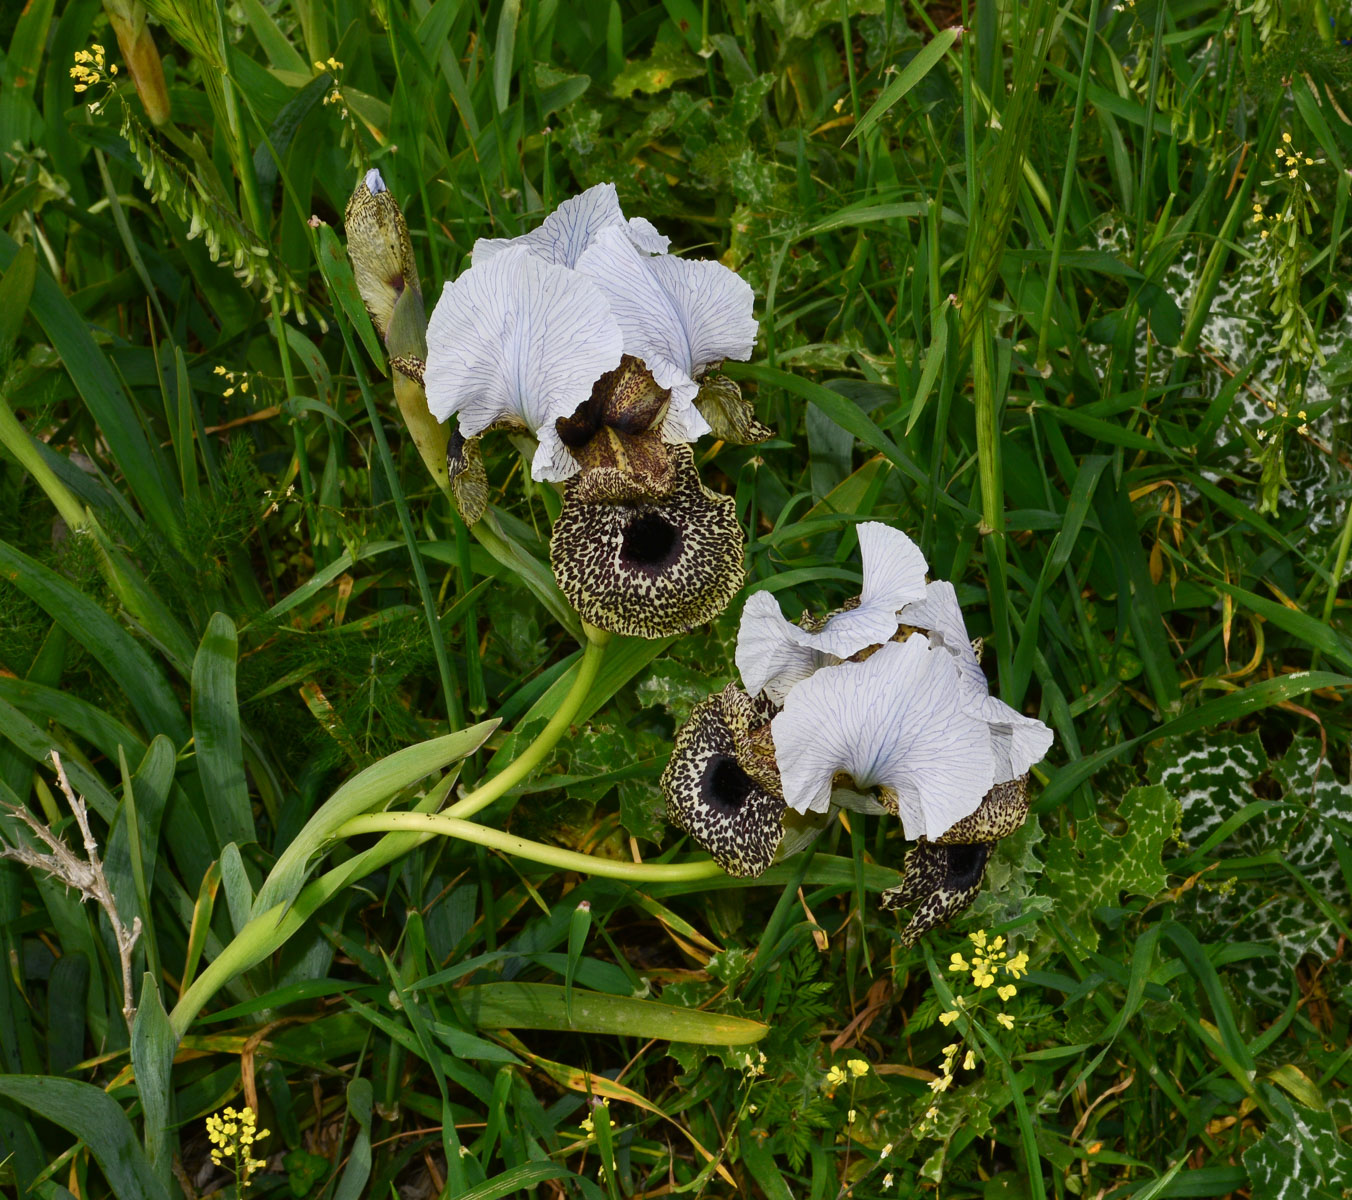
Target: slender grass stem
(444, 825)
(1067, 182)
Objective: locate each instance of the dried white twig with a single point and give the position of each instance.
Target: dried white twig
(86, 877)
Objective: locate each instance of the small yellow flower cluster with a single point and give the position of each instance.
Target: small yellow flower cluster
(92, 68)
(855, 1068)
(230, 377)
(986, 960)
(232, 1134)
(588, 1125)
(1290, 160)
(335, 96)
(989, 959)
(754, 1066)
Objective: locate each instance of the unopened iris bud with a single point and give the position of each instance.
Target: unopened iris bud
(381, 253)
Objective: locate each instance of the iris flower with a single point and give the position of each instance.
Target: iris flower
(885, 698)
(588, 334)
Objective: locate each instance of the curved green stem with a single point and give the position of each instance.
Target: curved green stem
(519, 847)
(533, 755)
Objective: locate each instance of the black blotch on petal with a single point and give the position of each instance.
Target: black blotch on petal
(725, 786)
(651, 542)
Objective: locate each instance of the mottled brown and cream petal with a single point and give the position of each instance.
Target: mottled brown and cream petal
(616, 438)
(469, 480)
(650, 568)
(379, 246)
(730, 415)
(1003, 811)
(714, 799)
(938, 882)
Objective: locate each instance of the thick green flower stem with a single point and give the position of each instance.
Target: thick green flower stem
(519, 847)
(534, 754)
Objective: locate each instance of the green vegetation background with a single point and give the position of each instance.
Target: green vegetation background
(1015, 297)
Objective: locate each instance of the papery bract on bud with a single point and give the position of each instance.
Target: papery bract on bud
(521, 341)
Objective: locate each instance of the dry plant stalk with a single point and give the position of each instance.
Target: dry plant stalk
(86, 877)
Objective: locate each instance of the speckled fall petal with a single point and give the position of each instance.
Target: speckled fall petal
(710, 792)
(942, 877)
(650, 568)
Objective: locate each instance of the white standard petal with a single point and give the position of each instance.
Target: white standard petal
(1017, 741)
(566, 232)
(895, 720)
(772, 653)
(894, 576)
(678, 315)
(940, 615)
(521, 339)
(643, 233)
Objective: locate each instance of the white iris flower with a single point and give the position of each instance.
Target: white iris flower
(914, 718)
(522, 336)
(573, 226)
(773, 653)
(521, 340)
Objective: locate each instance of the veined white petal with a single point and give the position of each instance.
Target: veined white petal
(519, 338)
(686, 425)
(896, 719)
(572, 227)
(941, 616)
(678, 315)
(772, 653)
(643, 233)
(1017, 741)
(777, 653)
(566, 232)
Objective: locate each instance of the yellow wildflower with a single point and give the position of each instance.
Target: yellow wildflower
(1007, 992)
(858, 1067)
(969, 1062)
(835, 1076)
(947, 1018)
(1006, 1020)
